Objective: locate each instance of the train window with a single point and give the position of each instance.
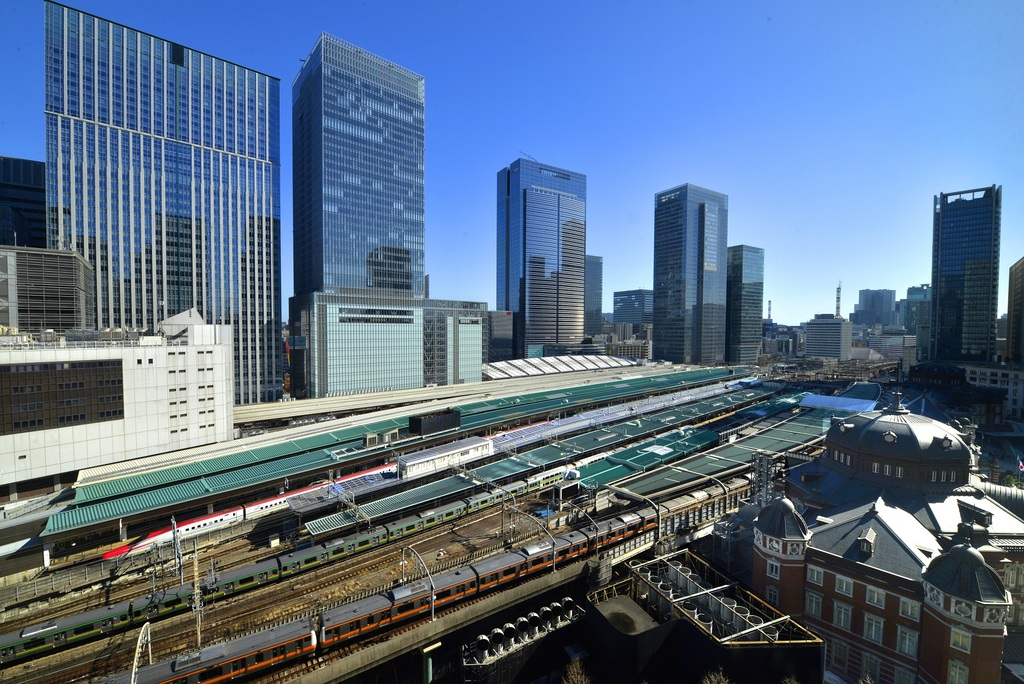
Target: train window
(259, 657)
(33, 643)
(509, 571)
(83, 629)
(237, 665)
(310, 561)
(212, 673)
(7, 653)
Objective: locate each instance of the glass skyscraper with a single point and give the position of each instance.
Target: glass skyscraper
(691, 226)
(635, 307)
(1015, 314)
(357, 151)
(163, 171)
(541, 249)
(745, 304)
(593, 292)
(875, 307)
(965, 274)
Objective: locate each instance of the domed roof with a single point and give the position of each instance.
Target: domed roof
(895, 432)
(779, 519)
(962, 572)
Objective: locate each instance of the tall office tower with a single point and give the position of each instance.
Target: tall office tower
(744, 303)
(357, 151)
(635, 307)
(593, 292)
(916, 307)
(542, 242)
(1015, 314)
(453, 341)
(876, 307)
(965, 274)
(22, 202)
(46, 290)
(163, 171)
(691, 227)
(830, 337)
(498, 336)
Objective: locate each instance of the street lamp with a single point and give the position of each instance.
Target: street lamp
(544, 529)
(597, 530)
(429, 577)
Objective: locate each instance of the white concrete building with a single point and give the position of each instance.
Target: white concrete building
(66, 406)
(829, 337)
(1009, 377)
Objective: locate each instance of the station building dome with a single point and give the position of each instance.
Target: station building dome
(898, 445)
(962, 572)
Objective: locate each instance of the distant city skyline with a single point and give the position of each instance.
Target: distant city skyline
(814, 110)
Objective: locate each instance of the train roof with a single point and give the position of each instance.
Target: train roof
(488, 565)
(228, 650)
(267, 565)
(349, 611)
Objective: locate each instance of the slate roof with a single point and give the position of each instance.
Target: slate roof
(779, 519)
(962, 572)
(897, 433)
(901, 545)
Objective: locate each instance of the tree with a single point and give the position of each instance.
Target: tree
(716, 677)
(575, 673)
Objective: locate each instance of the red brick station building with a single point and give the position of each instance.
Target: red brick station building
(890, 547)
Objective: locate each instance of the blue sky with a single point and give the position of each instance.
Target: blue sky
(830, 125)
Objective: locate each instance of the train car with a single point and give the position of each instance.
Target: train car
(58, 633)
(232, 659)
(234, 515)
(353, 619)
(162, 603)
(241, 579)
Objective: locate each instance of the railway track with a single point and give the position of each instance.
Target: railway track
(306, 594)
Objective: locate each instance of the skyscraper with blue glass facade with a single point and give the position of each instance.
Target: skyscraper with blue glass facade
(744, 304)
(593, 319)
(965, 274)
(541, 254)
(691, 226)
(163, 171)
(357, 152)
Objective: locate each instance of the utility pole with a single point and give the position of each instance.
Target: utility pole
(197, 596)
(177, 551)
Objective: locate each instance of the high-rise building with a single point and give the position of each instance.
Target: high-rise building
(593, 292)
(915, 309)
(1015, 314)
(876, 307)
(965, 274)
(745, 304)
(357, 152)
(635, 307)
(46, 290)
(22, 202)
(163, 171)
(542, 242)
(829, 337)
(691, 230)
(453, 341)
(498, 336)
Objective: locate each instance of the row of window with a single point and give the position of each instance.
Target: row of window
(888, 469)
(872, 595)
(874, 625)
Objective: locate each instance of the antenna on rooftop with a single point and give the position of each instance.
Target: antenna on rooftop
(528, 156)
